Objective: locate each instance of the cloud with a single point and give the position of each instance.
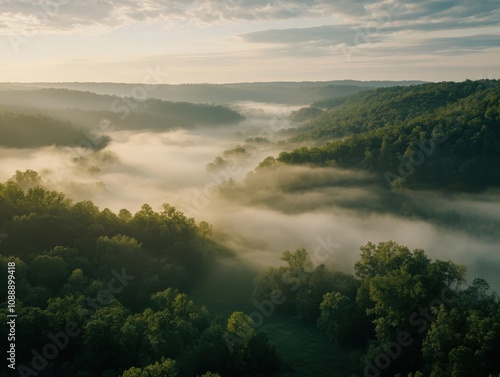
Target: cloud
(293, 206)
(50, 16)
(456, 45)
(319, 36)
(31, 17)
(328, 39)
(391, 27)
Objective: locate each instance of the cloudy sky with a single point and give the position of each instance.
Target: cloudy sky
(220, 41)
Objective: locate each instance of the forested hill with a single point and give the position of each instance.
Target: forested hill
(376, 108)
(133, 112)
(444, 135)
(35, 131)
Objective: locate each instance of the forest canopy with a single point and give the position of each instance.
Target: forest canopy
(431, 136)
(109, 290)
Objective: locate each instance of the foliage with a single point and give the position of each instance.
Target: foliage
(464, 340)
(429, 136)
(302, 284)
(117, 279)
(401, 303)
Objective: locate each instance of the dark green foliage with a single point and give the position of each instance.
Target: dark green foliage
(302, 284)
(305, 114)
(430, 136)
(51, 272)
(344, 321)
(404, 308)
(465, 338)
(329, 103)
(164, 368)
(104, 288)
(382, 107)
(118, 281)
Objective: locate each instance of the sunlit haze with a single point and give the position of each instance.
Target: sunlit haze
(244, 41)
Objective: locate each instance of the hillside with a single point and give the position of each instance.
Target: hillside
(87, 110)
(444, 135)
(34, 131)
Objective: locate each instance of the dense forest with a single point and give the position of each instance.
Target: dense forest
(117, 281)
(154, 291)
(108, 294)
(428, 136)
(267, 188)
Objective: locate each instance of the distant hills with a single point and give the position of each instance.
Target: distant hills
(35, 131)
(43, 117)
(273, 92)
(42, 114)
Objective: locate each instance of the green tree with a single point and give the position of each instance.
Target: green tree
(464, 340)
(204, 230)
(298, 261)
(343, 321)
(102, 339)
(396, 282)
(51, 272)
(27, 179)
(163, 368)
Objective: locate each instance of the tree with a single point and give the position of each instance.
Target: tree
(211, 351)
(398, 290)
(102, 339)
(204, 230)
(176, 226)
(250, 350)
(341, 320)
(464, 340)
(163, 368)
(119, 250)
(51, 272)
(27, 179)
(241, 327)
(298, 261)
(396, 282)
(173, 323)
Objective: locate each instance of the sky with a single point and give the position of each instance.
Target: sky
(223, 41)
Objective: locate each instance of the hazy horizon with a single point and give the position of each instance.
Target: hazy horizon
(232, 82)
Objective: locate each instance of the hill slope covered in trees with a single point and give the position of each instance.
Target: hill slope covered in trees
(444, 135)
(35, 131)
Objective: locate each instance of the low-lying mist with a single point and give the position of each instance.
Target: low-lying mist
(328, 211)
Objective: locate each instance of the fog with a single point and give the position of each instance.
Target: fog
(328, 211)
